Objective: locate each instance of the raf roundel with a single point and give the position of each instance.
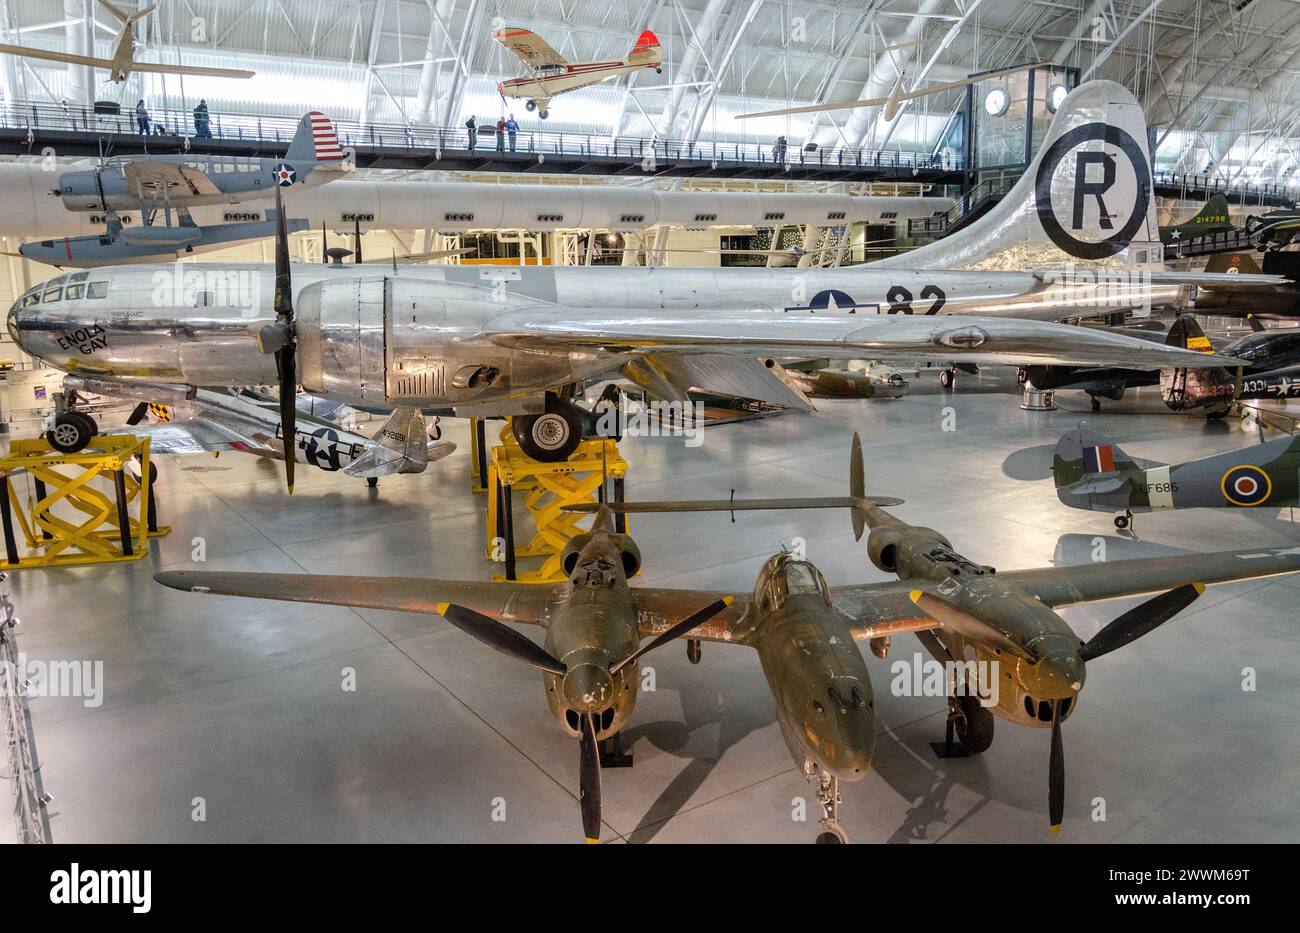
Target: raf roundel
(284, 175)
(1246, 485)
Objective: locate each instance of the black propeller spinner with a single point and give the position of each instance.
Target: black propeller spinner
(522, 648)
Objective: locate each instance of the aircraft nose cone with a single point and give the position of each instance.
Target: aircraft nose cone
(1061, 672)
(588, 687)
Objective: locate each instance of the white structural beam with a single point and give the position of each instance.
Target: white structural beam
(704, 102)
(686, 68)
(437, 49)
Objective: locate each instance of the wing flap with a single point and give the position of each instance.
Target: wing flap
(742, 377)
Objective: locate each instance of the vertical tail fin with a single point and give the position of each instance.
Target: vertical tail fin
(1213, 215)
(1085, 200)
(314, 141)
(1082, 453)
(646, 51)
(1187, 334)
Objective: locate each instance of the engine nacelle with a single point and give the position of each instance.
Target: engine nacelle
(629, 554)
(890, 547)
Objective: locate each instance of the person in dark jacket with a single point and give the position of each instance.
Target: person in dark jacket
(472, 128)
(201, 124)
(501, 134)
(142, 117)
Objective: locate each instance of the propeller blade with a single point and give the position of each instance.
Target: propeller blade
(681, 628)
(356, 233)
(1056, 773)
(285, 355)
(589, 780)
(1141, 619)
(138, 413)
(500, 636)
(967, 625)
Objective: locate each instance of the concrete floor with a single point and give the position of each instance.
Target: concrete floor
(241, 703)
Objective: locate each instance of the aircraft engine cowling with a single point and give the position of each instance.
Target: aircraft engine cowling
(340, 328)
(80, 191)
(629, 553)
(890, 546)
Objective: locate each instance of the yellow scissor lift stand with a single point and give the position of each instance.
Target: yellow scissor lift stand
(92, 526)
(547, 488)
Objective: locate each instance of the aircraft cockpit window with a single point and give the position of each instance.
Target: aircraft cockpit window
(74, 292)
(791, 578)
(78, 276)
(97, 290)
(52, 294)
(30, 299)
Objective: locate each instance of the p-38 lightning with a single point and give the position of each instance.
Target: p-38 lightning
(500, 341)
(802, 629)
(981, 623)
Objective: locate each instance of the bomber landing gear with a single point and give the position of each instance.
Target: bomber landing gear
(71, 431)
(553, 436)
(1096, 403)
(828, 795)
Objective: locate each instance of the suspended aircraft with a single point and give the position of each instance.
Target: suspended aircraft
(160, 185)
(1093, 472)
(514, 341)
(550, 75)
(1211, 218)
(123, 61)
(802, 629)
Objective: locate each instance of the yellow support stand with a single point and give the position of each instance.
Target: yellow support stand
(547, 488)
(92, 526)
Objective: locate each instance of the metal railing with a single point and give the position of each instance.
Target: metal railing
(176, 128)
(1215, 184)
(31, 819)
(989, 190)
(1222, 241)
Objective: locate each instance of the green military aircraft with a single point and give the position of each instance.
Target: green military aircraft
(975, 620)
(1092, 472)
(802, 629)
(1211, 218)
(1275, 229)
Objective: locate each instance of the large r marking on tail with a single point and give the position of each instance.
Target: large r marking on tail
(1114, 137)
(1082, 187)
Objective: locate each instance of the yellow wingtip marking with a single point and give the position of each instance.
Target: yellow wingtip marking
(1199, 587)
(914, 596)
(1056, 829)
(728, 600)
(441, 608)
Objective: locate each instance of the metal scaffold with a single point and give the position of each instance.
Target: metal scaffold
(31, 818)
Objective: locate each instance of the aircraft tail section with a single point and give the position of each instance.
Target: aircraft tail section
(647, 51)
(1233, 263)
(1089, 469)
(1085, 200)
(399, 446)
(1186, 334)
(1213, 214)
(314, 141)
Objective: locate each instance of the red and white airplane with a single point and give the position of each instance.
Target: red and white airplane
(549, 74)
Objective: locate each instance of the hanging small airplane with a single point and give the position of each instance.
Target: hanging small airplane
(484, 341)
(123, 62)
(550, 75)
(158, 185)
(982, 625)
(1092, 472)
(897, 95)
(1211, 218)
(214, 421)
(1275, 229)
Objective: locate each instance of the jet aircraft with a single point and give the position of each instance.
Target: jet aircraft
(501, 341)
(1006, 621)
(549, 74)
(1092, 472)
(802, 629)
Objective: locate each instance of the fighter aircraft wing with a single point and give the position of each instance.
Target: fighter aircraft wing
(194, 436)
(531, 49)
(1008, 341)
(877, 609)
(525, 603)
(1082, 583)
(180, 180)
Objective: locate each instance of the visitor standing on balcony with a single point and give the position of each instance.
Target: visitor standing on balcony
(142, 117)
(472, 128)
(501, 134)
(512, 128)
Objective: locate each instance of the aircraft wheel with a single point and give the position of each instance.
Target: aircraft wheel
(833, 834)
(531, 106)
(71, 432)
(947, 377)
(1022, 375)
(551, 437)
(543, 114)
(974, 725)
(1121, 522)
(659, 71)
